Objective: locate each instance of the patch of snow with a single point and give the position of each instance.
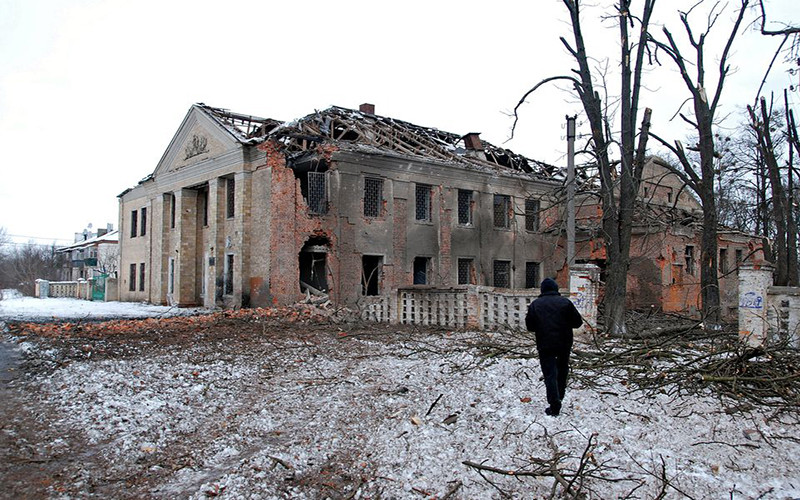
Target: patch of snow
(15, 307)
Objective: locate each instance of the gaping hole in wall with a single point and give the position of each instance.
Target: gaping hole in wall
(422, 270)
(312, 174)
(371, 269)
(313, 266)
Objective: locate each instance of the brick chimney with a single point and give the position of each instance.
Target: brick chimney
(367, 108)
(472, 141)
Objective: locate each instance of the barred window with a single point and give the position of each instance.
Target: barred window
(373, 196)
(531, 215)
(230, 185)
(502, 273)
(532, 273)
(466, 272)
(317, 193)
(464, 207)
(423, 202)
(502, 211)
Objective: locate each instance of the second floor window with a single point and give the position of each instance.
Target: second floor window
(317, 193)
(230, 187)
(423, 199)
(373, 196)
(502, 211)
(531, 215)
(172, 210)
(464, 207)
(144, 221)
(134, 222)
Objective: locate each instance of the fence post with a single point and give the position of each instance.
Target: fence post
(754, 282)
(42, 289)
(584, 288)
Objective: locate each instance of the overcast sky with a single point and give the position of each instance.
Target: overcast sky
(92, 91)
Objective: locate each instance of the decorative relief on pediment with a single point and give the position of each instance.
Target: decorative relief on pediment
(197, 145)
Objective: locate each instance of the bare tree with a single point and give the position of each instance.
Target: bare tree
(24, 265)
(620, 178)
(700, 178)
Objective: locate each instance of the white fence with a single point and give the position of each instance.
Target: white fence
(478, 307)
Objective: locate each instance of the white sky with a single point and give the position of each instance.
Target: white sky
(92, 91)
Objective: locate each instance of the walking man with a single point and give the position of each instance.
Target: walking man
(552, 317)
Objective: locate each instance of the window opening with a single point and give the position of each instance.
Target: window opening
(531, 215)
(144, 221)
(229, 274)
(466, 272)
(723, 260)
(373, 196)
(423, 199)
(202, 200)
(230, 185)
(313, 265)
(464, 207)
(739, 256)
(371, 268)
(689, 258)
(172, 210)
(422, 267)
(171, 277)
(532, 273)
(317, 192)
(141, 277)
(132, 278)
(502, 273)
(502, 211)
(134, 220)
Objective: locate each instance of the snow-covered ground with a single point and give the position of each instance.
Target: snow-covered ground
(299, 411)
(15, 307)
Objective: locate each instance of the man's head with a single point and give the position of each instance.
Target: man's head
(549, 286)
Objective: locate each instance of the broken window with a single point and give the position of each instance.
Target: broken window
(422, 267)
(531, 215)
(317, 196)
(144, 221)
(423, 199)
(371, 268)
(132, 278)
(502, 211)
(373, 196)
(723, 260)
(502, 274)
(313, 266)
(141, 277)
(134, 221)
(689, 258)
(464, 207)
(739, 256)
(532, 273)
(230, 199)
(466, 272)
(228, 274)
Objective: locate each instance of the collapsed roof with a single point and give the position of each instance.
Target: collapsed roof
(361, 130)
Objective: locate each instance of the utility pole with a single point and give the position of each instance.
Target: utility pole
(570, 191)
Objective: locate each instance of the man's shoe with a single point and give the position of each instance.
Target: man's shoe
(551, 412)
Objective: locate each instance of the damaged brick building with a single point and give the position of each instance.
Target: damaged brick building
(247, 211)
(665, 246)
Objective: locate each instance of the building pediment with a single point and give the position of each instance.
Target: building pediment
(197, 140)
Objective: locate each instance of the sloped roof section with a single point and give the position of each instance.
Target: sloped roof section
(350, 129)
(247, 129)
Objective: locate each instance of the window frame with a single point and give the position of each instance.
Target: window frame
(134, 223)
(532, 208)
(230, 197)
(132, 278)
(468, 200)
(423, 199)
(471, 275)
(495, 273)
(143, 217)
(505, 211)
(141, 276)
(228, 274)
(377, 184)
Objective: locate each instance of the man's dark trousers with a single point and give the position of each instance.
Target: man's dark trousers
(555, 368)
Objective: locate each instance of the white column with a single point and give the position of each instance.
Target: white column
(584, 288)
